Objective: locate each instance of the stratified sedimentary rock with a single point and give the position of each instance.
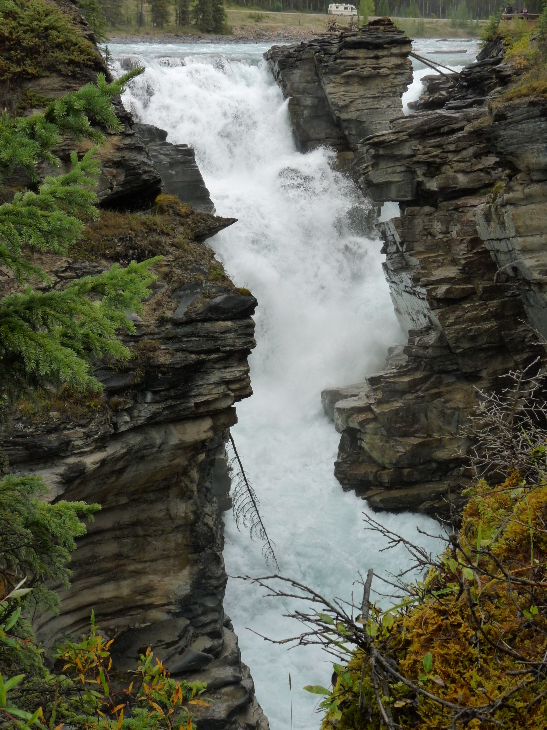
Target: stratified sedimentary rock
(465, 262)
(177, 166)
(150, 448)
(344, 87)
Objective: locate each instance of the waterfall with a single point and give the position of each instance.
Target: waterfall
(324, 318)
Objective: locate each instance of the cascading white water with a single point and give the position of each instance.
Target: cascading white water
(324, 318)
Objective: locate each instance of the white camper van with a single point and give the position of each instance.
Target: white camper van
(341, 9)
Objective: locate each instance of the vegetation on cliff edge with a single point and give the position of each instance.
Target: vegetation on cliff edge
(465, 646)
(37, 40)
(47, 338)
(525, 45)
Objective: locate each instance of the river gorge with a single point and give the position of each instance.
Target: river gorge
(304, 244)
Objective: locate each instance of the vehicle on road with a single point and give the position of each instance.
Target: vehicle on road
(342, 9)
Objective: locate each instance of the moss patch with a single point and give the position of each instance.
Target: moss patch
(37, 40)
(172, 230)
(466, 667)
(64, 404)
(125, 237)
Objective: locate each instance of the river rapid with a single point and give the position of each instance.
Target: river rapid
(324, 318)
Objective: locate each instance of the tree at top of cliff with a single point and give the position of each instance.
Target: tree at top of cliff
(36, 39)
(95, 16)
(49, 335)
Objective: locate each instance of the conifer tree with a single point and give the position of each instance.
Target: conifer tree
(219, 16)
(160, 12)
(203, 15)
(94, 14)
(210, 15)
(48, 337)
(182, 11)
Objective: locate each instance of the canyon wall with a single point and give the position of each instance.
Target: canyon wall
(465, 260)
(150, 448)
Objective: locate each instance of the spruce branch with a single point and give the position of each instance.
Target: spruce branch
(50, 336)
(50, 220)
(24, 141)
(245, 508)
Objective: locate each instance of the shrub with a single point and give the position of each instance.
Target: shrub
(37, 39)
(466, 646)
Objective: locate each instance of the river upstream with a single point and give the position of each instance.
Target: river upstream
(324, 318)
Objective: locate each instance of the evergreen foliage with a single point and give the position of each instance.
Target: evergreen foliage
(94, 14)
(24, 141)
(219, 16)
(36, 538)
(160, 12)
(49, 220)
(37, 39)
(209, 15)
(48, 337)
(182, 12)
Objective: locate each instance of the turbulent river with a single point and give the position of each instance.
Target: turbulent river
(324, 318)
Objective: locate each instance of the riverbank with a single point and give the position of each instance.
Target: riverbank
(259, 26)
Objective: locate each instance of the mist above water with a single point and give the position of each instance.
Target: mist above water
(324, 318)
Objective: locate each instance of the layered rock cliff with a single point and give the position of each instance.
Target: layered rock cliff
(150, 448)
(464, 262)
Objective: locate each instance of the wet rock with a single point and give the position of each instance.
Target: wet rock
(466, 260)
(346, 86)
(177, 166)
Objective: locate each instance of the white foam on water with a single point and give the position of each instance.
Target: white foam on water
(324, 318)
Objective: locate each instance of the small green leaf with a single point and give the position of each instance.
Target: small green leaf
(534, 610)
(338, 668)
(12, 682)
(326, 618)
(103, 682)
(13, 619)
(316, 689)
(428, 662)
(387, 620)
(371, 629)
(468, 573)
(18, 593)
(16, 712)
(2, 692)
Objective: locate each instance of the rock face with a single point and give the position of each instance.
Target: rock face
(344, 87)
(465, 262)
(150, 448)
(177, 166)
